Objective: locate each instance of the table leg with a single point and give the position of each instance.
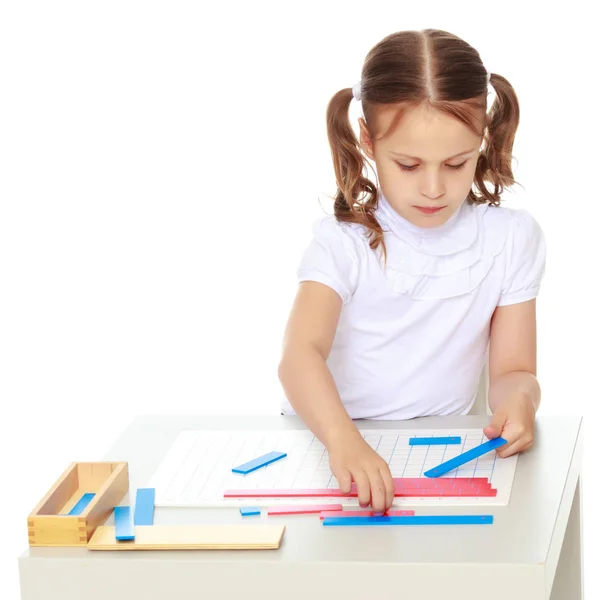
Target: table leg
(568, 580)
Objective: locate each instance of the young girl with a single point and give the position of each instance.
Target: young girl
(409, 285)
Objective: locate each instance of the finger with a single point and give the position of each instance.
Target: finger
(344, 480)
(523, 442)
(377, 491)
(512, 433)
(363, 487)
(390, 488)
(496, 426)
(505, 452)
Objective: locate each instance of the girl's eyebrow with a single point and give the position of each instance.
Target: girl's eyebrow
(417, 158)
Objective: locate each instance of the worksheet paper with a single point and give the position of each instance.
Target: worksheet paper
(197, 469)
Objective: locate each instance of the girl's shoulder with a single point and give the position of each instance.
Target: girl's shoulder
(505, 216)
(523, 250)
(333, 256)
(330, 224)
(329, 230)
(509, 225)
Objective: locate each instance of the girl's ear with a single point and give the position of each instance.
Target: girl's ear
(365, 139)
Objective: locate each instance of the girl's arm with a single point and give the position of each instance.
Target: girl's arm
(303, 372)
(311, 390)
(514, 394)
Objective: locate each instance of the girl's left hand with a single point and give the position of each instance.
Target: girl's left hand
(514, 420)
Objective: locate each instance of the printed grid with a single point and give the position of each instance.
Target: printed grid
(197, 469)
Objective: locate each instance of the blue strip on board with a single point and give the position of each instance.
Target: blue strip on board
(410, 520)
(433, 441)
(257, 463)
(144, 507)
(82, 504)
(465, 457)
(123, 523)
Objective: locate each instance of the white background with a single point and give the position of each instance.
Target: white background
(162, 164)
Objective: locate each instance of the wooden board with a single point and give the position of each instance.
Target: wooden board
(191, 537)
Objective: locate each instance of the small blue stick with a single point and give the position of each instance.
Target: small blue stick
(465, 457)
(123, 523)
(247, 511)
(410, 520)
(433, 441)
(257, 463)
(144, 507)
(82, 504)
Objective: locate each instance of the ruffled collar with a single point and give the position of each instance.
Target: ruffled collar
(445, 261)
(457, 233)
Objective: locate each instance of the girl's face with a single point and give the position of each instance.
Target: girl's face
(426, 166)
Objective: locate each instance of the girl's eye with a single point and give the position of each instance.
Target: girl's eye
(413, 167)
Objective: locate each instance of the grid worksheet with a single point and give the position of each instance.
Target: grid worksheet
(197, 469)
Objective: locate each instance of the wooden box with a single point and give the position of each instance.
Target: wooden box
(50, 524)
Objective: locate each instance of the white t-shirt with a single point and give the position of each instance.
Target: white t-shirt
(413, 336)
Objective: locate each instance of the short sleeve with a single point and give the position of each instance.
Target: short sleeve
(526, 260)
(331, 258)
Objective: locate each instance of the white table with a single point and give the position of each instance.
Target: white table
(532, 551)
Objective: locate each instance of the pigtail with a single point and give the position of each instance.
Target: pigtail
(356, 198)
(495, 161)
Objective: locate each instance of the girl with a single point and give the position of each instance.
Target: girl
(412, 283)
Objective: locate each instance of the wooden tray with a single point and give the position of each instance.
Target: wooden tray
(49, 524)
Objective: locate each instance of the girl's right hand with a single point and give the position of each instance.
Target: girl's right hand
(352, 459)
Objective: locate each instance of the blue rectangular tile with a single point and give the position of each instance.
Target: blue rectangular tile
(144, 506)
(248, 511)
(123, 523)
(81, 504)
(434, 441)
(465, 457)
(257, 463)
(409, 520)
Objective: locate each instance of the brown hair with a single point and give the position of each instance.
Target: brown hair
(413, 68)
